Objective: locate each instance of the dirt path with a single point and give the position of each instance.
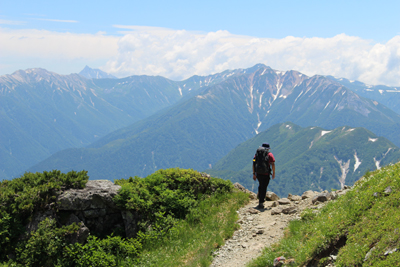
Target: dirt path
(259, 229)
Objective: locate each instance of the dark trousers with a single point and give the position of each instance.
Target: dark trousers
(263, 181)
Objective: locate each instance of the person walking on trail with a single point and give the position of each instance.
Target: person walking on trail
(263, 167)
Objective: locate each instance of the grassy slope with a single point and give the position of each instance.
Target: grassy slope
(362, 220)
(301, 166)
(199, 235)
(186, 216)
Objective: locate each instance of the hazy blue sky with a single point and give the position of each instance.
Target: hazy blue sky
(353, 39)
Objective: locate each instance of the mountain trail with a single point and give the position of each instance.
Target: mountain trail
(260, 228)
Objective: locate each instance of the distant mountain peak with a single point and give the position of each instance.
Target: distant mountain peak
(90, 73)
(27, 76)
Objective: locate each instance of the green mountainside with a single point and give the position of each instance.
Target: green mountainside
(309, 158)
(199, 130)
(360, 228)
(44, 112)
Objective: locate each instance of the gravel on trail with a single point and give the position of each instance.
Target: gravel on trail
(260, 228)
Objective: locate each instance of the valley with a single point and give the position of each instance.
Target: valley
(118, 128)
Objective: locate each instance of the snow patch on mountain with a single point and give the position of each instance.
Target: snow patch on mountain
(280, 72)
(260, 102)
(377, 163)
(372, 139)
(263, 72)
(312, 142)
(324, 133)
(91, 101)
(278, 87)
(250, 105)
(298, 96)
(327, 104)
(344, 167)
(258, 124)
(357, 163)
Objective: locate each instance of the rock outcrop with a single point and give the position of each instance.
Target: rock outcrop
(243, 189)
(92, 209)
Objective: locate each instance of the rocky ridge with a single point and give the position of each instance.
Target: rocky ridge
(260, 228)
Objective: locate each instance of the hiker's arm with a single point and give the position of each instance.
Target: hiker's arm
(273, 170)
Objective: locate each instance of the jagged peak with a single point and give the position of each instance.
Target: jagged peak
(90, 73)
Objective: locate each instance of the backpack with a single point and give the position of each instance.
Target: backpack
(262, 161)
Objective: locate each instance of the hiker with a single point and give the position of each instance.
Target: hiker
(263, 163)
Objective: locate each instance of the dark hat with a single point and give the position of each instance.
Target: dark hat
(265, 145)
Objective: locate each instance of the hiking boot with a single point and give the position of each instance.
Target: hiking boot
(260, 206)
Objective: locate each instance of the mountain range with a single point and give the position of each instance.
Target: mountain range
(207, 122)
(43, 112)
(309, 158)
(389, 96)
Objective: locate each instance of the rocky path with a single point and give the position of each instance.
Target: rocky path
(261, 228)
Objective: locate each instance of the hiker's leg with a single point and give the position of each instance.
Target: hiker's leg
(262, 187)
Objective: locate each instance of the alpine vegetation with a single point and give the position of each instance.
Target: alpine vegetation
(359, 228)
(168, 218)
(310, 158)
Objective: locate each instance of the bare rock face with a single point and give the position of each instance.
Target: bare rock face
(98, 194)
(275, 204)
(82, 233)
(271, 196)
(92, 208)
(276, 211)
(308, 194)
(243, 189)
(323, 197)
(37, 217)
(290, 210)
(284, 201)
(294, 197)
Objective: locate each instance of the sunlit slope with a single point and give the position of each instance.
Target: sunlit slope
(360, 228)
(310, 158)
(198, 131)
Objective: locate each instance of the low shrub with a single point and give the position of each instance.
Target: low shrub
(21, 197)
(172, 203)
(172, 192)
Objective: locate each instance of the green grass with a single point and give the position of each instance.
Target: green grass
(195, 238)
(185, 216)
(360, 219)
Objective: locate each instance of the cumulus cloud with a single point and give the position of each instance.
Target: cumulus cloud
(179, 54)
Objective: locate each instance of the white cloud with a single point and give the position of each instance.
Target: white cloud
(179, 54)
